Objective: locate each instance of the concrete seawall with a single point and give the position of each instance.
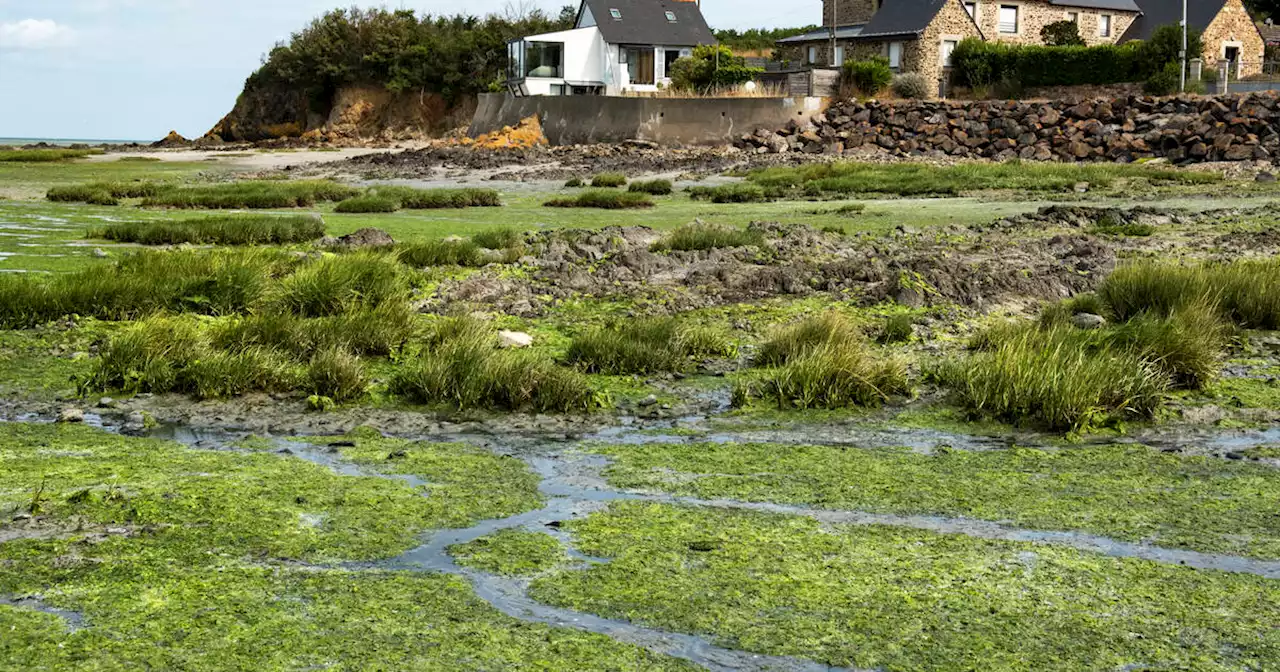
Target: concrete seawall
(569, 120)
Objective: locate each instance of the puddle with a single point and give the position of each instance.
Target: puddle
(74, 620)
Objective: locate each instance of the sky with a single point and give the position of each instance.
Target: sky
(136, 69)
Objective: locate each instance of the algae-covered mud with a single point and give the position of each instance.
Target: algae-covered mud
(396, 413)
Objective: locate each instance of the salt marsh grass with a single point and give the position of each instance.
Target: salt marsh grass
(646, 346)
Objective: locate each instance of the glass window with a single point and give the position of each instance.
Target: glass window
(972, 9)
(839, 55)
(895, 55)
(671, 16)
(1009, 19)
(544, 59)
(948, 46)
(813, 54)
(617, 15)
(1073, 17)
(1104, 25)
(640, 65)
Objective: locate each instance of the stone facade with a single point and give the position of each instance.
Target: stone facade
(849, 12)
(952, 23)
(1233, 28)
(1034, 15)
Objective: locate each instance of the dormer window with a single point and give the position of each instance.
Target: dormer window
(617, 15)
(671, 16)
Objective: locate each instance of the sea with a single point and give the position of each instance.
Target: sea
(65, 142)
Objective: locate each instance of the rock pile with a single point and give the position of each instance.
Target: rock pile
(1181, 129)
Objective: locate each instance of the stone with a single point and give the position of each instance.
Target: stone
(514, 339)
(1087, 321)
(70, 416)
(106, 402)
(365, 238)
(651, 400)
(1264, 177)
(100, 253)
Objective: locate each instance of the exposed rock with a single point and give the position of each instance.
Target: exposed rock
(514, 339)
(71, 416)
(173, 140)
(1087, 321)
(367, 237)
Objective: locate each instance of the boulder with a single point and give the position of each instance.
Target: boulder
(1088, 321)
(514, 339)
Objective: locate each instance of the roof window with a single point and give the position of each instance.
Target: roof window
(671, 16)
(617, 15)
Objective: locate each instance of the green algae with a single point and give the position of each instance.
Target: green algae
(894, 599)
(511, 552)
(465, 484)
(1130, 493)
(184, 559)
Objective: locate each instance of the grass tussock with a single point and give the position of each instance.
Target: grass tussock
(499, 239)
(367, 204)
(168, 354)
(910, 179)
(652, 187)
(381, 331)
(82, 193)
(574, 183)
(336, 374)
(409, 198)
(449, 252)
(343, 284)
(1247, 293)
(646, 346)
(609, 181)
(253, 195)
(699, 236)
(792, 342)
(730, 193)
(604, 200)
(222, 282)
(225, 230)
(463, 368)
(45, 155)
(830, 376)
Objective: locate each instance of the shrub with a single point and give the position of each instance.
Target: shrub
(367, 204)
(228, 230)
(1061, 34)
(82, 194)
(609, 180)
(912, 85)
(831, 376)
(788, 343)
(740, 192)
(442, 253)
(711, 67)
(336, 285)
(1053, 378)
(337, 374)
(1164, 82)
(606, 200)
(652, 187)
(698, 236)
(869, 77)
(645, 346)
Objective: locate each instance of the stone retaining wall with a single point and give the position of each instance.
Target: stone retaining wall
(1227, 128)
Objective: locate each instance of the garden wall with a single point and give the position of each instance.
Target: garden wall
(1185, 128)
(572, 120)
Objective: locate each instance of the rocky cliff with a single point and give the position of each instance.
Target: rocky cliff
(353, 113)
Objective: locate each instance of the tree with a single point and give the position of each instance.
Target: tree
(1166, 42)
(568, 16)
(709, 68)
(1062, 34)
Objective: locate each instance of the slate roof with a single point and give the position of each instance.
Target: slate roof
(1156, 13)
(644, 22)
(1113, 5)
(842, 33)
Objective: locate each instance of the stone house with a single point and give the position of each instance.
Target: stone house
(918, 35)
(1229, 34)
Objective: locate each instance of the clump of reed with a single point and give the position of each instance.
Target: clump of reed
(699, 236)
(336, 374)
(447, 252)
(499, 239)
(81, 193)
(609, 181)
(45, 155)
(646, 345)
(224, 230)
(379, 331)
(604, 200)
(730, 193)
(252, 195)
(410, 198)
(1247, 293)
(462, 368)
(341, 284)
(652, 187)
(367, 204)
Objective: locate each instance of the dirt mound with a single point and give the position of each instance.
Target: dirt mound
(913, 269)
(528, 133)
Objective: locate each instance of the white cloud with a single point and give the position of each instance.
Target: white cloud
(35, 34)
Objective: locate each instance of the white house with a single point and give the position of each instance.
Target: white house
(615, 47)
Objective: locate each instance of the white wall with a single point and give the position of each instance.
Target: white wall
(661, 78)
(583, 59)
